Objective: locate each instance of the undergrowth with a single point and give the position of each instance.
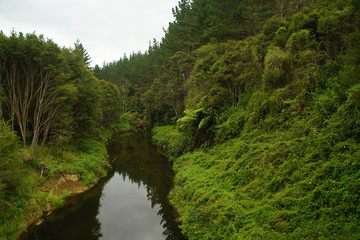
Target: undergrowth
(293, 184)
(32, 194)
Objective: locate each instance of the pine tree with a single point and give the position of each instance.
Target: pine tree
(83, 53)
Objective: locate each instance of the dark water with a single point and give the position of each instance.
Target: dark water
(131, 204)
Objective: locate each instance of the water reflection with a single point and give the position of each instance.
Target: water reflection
(131, 217)
(131, 204)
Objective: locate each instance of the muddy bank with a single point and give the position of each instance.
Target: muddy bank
(66, 187)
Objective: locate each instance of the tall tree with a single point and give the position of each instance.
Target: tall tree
(82, 53)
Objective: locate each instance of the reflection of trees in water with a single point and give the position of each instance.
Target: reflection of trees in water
(138, 160)
(79, 218)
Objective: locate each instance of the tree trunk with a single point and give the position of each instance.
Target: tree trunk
(45, 108)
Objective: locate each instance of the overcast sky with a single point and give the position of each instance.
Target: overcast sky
(108, 29)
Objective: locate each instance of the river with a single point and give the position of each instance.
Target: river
(130, 204)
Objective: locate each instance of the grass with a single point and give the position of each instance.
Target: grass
(269, 185)
(32, 198)
(87, 158)
(169, 140)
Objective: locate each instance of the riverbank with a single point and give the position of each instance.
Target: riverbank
(44, 179)
(66, 173)
(267, 185)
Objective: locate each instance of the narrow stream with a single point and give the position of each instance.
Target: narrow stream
(131, 204)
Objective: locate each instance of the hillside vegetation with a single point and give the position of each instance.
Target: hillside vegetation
(269, 141)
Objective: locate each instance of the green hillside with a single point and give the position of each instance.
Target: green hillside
(269, 145)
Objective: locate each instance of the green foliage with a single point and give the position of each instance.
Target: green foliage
(137, 123)
(196, 126)
(354, 95)
(57, 98)
(110, 107)
(281, 37)
(51, 99)
(10, 167)
(278, 185)
(273, 24)
(265, 94)
(230, 124)
(33, 192)
(299, 41)
(278, 67)
(285, 163)
(82, 53)
(301, 21)
(170, 140)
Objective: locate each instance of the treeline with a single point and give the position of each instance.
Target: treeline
(219, 58)
(156, 82)
(49, 94)
(264, 96)
(53, 115)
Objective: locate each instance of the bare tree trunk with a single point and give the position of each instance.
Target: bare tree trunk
(46, 130)
(20, 85)
(49, 120)
(38, 111)
(20, 92)
(24, 93)
(28, 87)
(45, 108)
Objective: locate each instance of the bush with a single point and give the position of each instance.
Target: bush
(300, 41)
(354, 96)
(278, 68)
(230, 124)
(10, 165)
(170, 140)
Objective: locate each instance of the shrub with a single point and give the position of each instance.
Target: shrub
(278, 68)
(10, 165)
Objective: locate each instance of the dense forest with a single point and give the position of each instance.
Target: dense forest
(257, 103)
(263, 99)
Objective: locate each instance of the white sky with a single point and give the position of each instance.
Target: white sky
(108, 29)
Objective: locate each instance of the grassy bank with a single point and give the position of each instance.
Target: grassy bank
(37, 195)
(294, 184)
(26, 194)
(169, 140)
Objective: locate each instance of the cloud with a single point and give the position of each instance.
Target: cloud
(107, 28)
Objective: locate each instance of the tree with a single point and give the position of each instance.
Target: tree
(124, 88)
(46, 104)
(82, 53)
(3, 47)
(20, 76)
(180, 67)
(30, 84)
(111, 106)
